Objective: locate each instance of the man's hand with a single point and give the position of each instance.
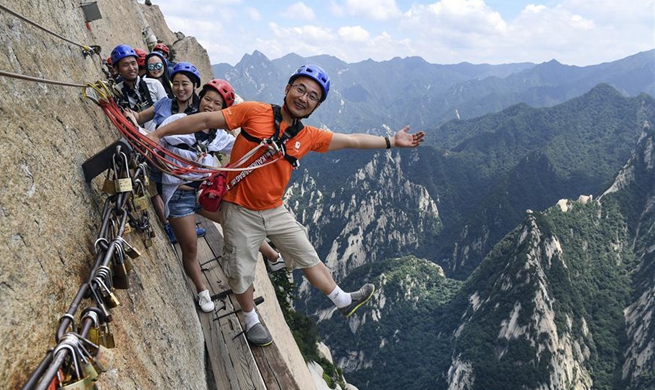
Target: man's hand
(403, 139)
(132, 116)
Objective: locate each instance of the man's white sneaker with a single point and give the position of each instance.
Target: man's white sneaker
(277, 264)
(205, 301)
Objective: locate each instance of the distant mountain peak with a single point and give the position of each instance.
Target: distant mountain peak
(256, 56)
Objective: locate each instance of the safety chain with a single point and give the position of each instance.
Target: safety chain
(82, 352)
(37, 79)
(86, 49)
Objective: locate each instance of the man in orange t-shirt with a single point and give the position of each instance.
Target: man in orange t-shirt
(252, 210)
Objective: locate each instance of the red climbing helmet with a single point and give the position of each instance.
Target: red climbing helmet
(224, 89)
(163, 48)
(141, 57)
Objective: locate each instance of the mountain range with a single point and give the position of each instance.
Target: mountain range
(370, 96)
(514, 250)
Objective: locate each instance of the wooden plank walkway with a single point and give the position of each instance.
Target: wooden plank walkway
(236, 365)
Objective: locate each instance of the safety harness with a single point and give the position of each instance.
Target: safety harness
(144, 92)
(203, 140)
(213, 189)
(275, 139)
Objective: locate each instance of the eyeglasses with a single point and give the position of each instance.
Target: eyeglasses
(302, 91)
(156, 66)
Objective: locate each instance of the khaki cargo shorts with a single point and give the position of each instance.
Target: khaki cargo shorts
(244, 230)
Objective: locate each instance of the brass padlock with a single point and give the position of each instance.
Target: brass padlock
(106, 337)
(123, 184)
(107, 296)
(123, 181)
(152, 233)
(91, 359)
(131, 251)
(89, 371)
(93, 335)
(100, 302)
(119, 256)
(141, 202)
(80, 384)
(103, 358)
(147, 242)
(120, 278)
(109, 187)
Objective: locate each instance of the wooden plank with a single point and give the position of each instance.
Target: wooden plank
(236, 364)
(229, 351)
(274, 370)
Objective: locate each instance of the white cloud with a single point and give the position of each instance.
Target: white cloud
(580, 32)
(353, 34)
(373, 9)
(302, 36)
(300, 12)
(336, 9)
(253, 14)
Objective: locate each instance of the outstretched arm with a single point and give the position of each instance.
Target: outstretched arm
(401, 139)
(191, 124)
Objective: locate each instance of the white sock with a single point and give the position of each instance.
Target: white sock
(251, 319)
(340, 298)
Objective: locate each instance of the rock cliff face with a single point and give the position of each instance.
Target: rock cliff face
(377, 205)
(49, 216)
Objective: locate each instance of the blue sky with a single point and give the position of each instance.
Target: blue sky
(574, 32)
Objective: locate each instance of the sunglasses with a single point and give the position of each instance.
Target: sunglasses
(157, 66)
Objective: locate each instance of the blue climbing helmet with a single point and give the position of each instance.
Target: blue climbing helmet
(315, 73)
(189, 69)
(120, 52)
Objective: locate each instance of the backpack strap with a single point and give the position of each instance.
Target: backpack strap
(145, 93)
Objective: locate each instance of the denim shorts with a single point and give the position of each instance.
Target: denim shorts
(183, 203)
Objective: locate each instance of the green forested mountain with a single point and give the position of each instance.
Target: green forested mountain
(528, 160)
(521, 158)
(565, 300)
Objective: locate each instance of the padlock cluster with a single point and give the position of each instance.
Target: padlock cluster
(83, 352)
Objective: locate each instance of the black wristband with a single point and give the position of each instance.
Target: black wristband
(386, 139)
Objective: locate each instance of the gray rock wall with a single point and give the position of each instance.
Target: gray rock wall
(49, 216)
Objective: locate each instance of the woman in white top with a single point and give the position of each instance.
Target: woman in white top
(180, 195)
